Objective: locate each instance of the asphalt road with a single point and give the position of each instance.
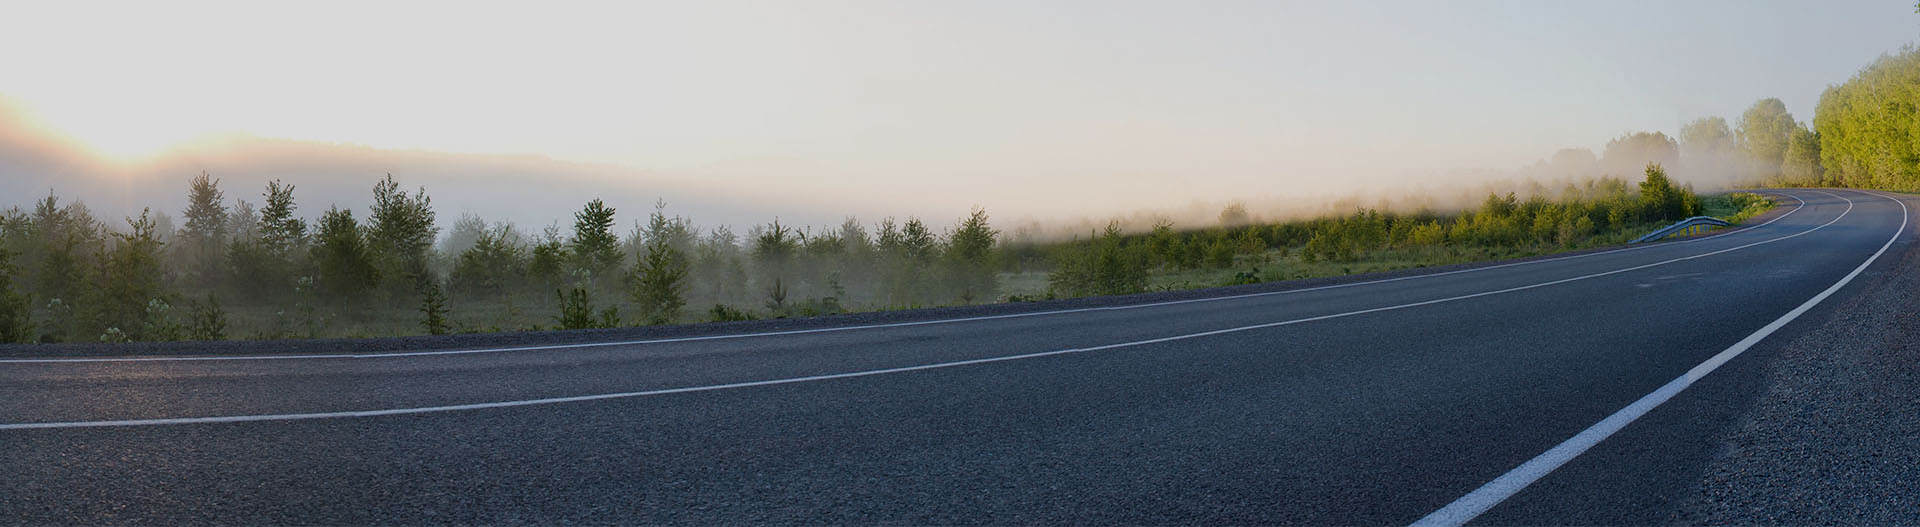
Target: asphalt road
(1365, 403)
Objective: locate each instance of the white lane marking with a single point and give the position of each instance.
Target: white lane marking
(1487, 496)
(938, 365)
(1797, 206)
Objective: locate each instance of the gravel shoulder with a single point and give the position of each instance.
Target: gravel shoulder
(1835, 437)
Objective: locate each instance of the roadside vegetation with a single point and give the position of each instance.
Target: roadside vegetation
(232, 269)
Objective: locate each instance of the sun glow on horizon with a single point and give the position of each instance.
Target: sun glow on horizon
(114, 138)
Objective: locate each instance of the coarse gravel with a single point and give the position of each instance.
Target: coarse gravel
(1835, 437)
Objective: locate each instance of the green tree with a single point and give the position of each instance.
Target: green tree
(263, 262)
(62, 233)
(1765, 130)
(718, 268)
(1868, 125)
(1802, 163)
(1103, 265)
(1629, 153)
(1706, 136)
(433, 308)
(16, 309)
(495, 263)
(774, 248)
(203, 243)
(342, 258)
(659, 275)
(971, 258)
(280, 229)
(129, 295)
(1661, 199)
(400, 234)
(595, 247)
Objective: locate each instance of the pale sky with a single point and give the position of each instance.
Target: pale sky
(1112, 105)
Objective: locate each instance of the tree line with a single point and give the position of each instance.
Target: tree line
(232, 269)
(1867, 130)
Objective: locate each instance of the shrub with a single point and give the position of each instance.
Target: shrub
(206, 320)
(576, 309)
(725, 313)
(433, 308)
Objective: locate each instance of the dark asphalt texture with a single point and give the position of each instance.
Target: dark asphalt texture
(1371, 418)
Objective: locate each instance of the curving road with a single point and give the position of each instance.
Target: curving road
(1445, 397)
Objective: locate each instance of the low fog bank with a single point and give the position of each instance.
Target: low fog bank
(1708, 163)
(533, 192)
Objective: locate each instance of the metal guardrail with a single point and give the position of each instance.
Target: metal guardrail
(1690, 224)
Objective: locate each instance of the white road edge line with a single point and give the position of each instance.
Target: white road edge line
(1797, 206)
(1487, 496)
(865, 373)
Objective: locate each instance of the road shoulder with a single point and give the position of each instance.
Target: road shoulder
(1831, 440)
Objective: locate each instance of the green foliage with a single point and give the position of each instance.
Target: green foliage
(1802, 164)
(1869, 126)
(204, 239)
(546, 262)
(1219, 254)
(1104, 265)
(62, 233)
(1736, 207)
(1765, 130)
(1661, 200)
(1706, 136)
(343, 261)
(725, 313)
(1429, 234)
(576, 311)
(1628, 153)
(206, 320)
(281, 231)
(595, 249)
(774, 248)
(971, 258)
(659, 277)
(433, 309)
(494, 264)
(400, 233)
(16, 309)
(128, 285)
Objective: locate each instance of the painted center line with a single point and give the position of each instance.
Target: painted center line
(867, 373)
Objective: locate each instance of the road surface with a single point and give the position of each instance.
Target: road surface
(1378, 402)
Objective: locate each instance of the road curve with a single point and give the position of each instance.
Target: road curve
(1369, 403)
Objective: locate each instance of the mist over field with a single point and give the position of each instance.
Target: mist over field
(534, 191)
